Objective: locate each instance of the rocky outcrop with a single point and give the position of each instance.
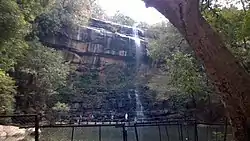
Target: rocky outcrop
(100, 39)
(14, 133)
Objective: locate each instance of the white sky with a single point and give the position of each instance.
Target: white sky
(135, 9)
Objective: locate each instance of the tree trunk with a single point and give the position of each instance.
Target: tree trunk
(229, 77)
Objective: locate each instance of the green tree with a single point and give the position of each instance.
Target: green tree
(122, 19)
(178, 76)
(72, 11)
(63, 15)
(185, 74)
(62, 107)
(164, 39)
(97, 11)
(15, 24)
(122, 76)
(232, 24)
(12, 31)
(39, 72)
(7, 93)
(32, 8)
(228, 76)
(39, 75)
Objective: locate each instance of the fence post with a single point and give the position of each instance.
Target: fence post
(100, 133)
(36, 128)
(225, 132)
(124, 133)
(159, 129)
(136, 133)
(166, 128)
(196, 130)
(181, 132)
(72, 133)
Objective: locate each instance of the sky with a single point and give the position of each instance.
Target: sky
(135, 9)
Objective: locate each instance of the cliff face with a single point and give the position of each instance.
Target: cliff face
(102, 42)
(97, 47)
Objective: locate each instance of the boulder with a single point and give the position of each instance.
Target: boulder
(31, 131)
(13, 131)
(3, 134)
(20, 138)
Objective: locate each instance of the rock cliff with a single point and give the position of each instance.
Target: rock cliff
(100, 41)
(98, 46)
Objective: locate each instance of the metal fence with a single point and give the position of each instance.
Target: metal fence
(164, 130)
(172, 130)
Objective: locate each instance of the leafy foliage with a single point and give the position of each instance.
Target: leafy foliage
(12, 31)
(232, 23)
(63, 14)
(164, 39)
(97, 11)
(178, 77)
(169, 52)
(14, 26)
(122, 19)
(73, 11)
(39, 74)
(120, 75)
(12, 21)
(32, 8)
(7, 93)
(61, 107)
(184, 73)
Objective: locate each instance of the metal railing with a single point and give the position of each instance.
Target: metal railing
(161, 130)
(169, 130)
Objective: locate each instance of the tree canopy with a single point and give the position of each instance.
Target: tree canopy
(205, 47)
(216, 51)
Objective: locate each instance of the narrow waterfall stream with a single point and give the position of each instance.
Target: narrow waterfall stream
(139, 106)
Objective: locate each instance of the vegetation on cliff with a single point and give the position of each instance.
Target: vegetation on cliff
(38, 79)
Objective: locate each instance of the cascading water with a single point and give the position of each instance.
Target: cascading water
(139, 106)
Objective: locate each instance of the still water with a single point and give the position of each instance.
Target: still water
(150, 133)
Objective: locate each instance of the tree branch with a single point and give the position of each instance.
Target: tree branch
(176, 9)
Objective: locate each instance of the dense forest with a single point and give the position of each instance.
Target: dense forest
(194, 76)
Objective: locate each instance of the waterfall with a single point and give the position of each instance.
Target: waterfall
(139, 106)
(138, 49)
